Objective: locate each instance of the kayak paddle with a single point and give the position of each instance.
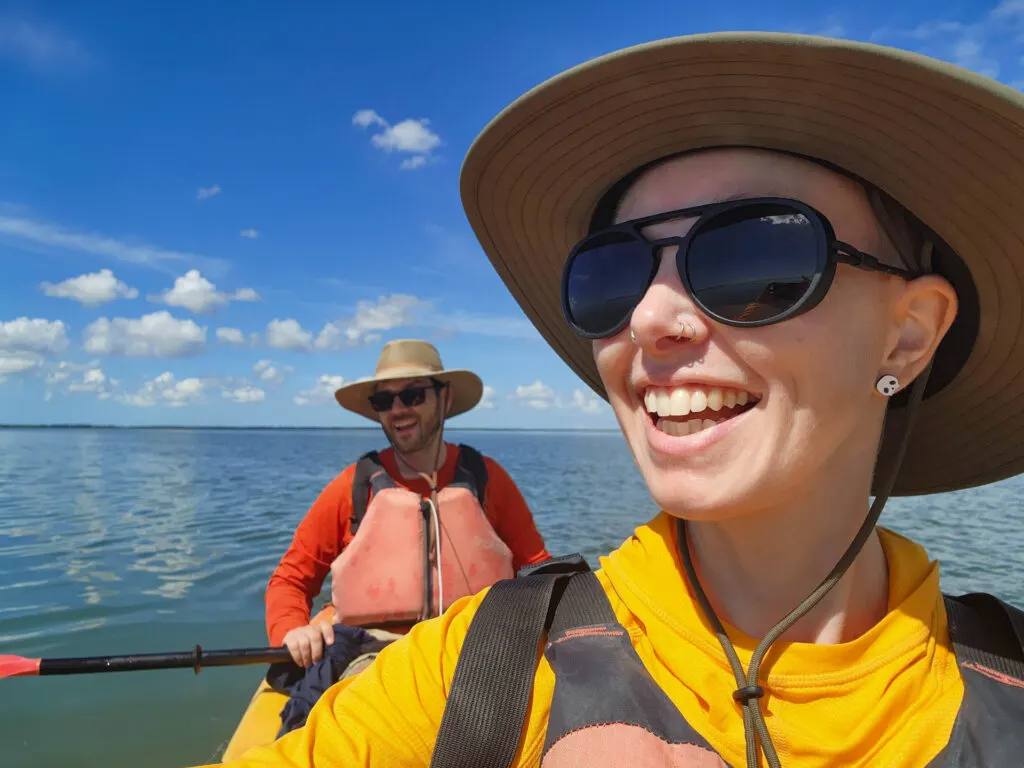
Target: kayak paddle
(19, 666)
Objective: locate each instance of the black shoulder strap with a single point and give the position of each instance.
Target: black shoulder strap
(988, 631)
(471, 459)
(483, 717)
(368, 464)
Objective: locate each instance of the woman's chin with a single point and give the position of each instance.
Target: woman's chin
(700, 498)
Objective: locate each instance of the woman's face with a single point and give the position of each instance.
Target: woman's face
(816, 415)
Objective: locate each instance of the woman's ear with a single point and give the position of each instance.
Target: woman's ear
(922, 315)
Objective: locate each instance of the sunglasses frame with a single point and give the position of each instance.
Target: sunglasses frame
(435, 385)
(829, 253)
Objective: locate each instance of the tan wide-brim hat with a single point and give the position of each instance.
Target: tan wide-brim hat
(411, 359)
(944, 142)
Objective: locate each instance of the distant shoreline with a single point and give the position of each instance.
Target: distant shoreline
(289, 429)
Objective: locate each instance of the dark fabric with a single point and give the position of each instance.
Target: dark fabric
(486, 706)
(471, 471)
(305, 686)
(988, 639)
(368, 464)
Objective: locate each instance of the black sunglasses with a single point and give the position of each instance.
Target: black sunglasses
(383, 400)
(745, 262)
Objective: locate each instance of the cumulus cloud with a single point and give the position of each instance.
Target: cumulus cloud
(369, 320)
(269, 373)
(154, 335)
(231, 336)
(33, 335)
(321, 392)
(411, 136)
(206, 192)
(166, 390)
(487, 401)
(288, 335)
(14, 363)
(539, 395)
(251, 234)
(195, 293)
(91, 289)
(244, 394)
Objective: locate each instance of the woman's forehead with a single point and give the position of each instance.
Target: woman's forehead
(726, 174)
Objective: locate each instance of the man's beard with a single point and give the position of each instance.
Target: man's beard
(428, 428)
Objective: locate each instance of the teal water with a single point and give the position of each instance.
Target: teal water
(135, 541)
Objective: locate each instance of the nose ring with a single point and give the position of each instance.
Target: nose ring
(686, 330)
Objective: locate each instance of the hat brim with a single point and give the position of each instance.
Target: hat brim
(467, 390)
(946, 143)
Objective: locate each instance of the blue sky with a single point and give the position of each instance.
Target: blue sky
(210, 216)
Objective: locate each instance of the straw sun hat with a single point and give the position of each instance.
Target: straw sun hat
(411, 359)
(944, 142)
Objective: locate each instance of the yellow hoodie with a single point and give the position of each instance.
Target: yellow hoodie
(888, 698)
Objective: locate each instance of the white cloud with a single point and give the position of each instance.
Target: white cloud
(195, 293)
(13, 363)
(288, 335)
(230, 336)
(370, 318)
(487, 401)
(246, 294)
(539, 395)
(96, 382)
(206, 192)
(33, 335)
(322, 392)
(44, 233)
(252, 234)
(412, 136)
(91, 289)
(42, 48)
(267, 372)
(536, 395)
(166, 390)
(155, 335)
(245, 395)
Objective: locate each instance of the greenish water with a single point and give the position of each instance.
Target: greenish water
(134, 541)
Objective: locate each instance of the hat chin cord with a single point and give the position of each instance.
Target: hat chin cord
(749, 692)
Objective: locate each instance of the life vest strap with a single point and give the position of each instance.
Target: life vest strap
(985, 630)
(486, 706)
(371, 476)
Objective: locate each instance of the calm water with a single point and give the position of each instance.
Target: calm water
(133, 541)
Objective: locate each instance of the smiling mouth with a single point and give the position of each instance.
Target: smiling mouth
(682, 411)
(403, 425)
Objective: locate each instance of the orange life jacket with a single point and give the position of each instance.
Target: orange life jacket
(388, 572)
(608, 711)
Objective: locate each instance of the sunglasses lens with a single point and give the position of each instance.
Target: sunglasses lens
(607, 279)
(411, 396)
(381, 401)
(753, 263)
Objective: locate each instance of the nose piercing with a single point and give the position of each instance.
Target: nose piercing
(686, 330)
(632, 335)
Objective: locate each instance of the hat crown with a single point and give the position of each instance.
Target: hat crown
(409, 354)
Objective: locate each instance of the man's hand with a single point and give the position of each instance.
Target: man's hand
(306, 644)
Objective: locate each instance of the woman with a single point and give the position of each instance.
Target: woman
(766, 321)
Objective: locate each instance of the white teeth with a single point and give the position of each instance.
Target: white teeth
(698, 401)
(729, 399)
(680, 402)
(715, 399)
(688, 427)
(651, 401)
(664, 403)
(741, 397)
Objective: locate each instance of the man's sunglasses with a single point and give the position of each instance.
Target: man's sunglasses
(744, 263)
(410, 396)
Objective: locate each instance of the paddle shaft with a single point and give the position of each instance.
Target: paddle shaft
(195, 659)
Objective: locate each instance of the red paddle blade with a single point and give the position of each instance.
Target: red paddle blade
(18, 666)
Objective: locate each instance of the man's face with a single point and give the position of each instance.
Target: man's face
(411, 428)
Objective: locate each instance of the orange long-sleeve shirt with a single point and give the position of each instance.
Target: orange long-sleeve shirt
(325, 531)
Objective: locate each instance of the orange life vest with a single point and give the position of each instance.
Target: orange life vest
(385, 574)
(608, 711)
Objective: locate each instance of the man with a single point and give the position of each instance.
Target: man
(379, 525)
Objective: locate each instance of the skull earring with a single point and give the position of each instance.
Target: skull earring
(887, 385)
